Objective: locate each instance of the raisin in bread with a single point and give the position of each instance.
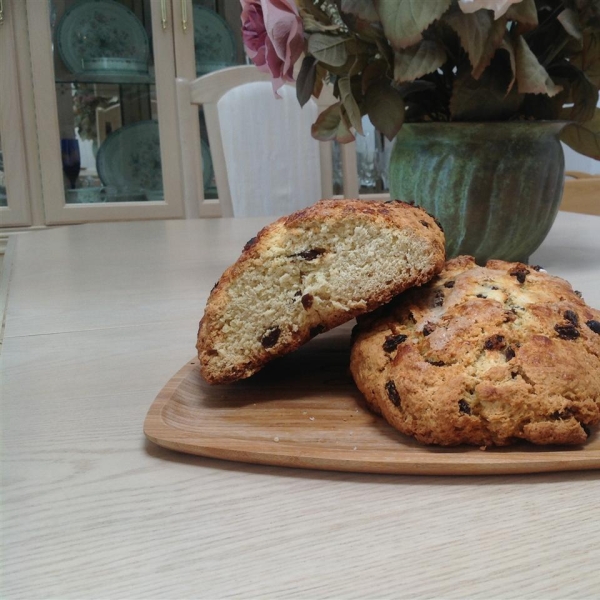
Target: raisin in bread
(309, 272)
(485, 356)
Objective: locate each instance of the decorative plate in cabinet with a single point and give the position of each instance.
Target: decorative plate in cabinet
(214, 42)
(100, 29)
(129, 159)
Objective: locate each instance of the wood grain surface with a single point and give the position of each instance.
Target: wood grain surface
(99, 318)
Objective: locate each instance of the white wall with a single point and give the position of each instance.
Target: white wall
(578, 162)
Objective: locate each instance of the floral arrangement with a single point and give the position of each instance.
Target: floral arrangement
(436, 60)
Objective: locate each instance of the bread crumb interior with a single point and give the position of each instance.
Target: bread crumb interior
(317, 274)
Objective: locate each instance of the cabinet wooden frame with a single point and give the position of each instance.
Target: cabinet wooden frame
(18, 211)
(57, 211)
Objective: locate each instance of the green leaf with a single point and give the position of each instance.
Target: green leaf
(525, 14)
(385, 107)
(328, 49)
(305, 82)
(507, 45)
(359, 54)
(584, 137)
(580, 91)
(480, 36)
(350, 104)
(376, 71)
(483, 99)
(363, 9)
(364, 30)
(414, 62)
(532, 78)
(404, 20)
(588, 60)
(585, 99)
(570, 21)
(331, 126)
(312, 25)
(321, 77)
(308, 7)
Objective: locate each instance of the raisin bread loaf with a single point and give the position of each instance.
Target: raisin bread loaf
(309, 272)
(485, 356)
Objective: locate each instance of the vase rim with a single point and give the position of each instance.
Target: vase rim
(562, 122)
(485, 130)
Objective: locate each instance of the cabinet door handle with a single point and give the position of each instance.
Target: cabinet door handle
(163, 13)
(184, 19)
(1, 12)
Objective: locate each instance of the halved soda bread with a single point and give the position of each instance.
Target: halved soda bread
(309, 272)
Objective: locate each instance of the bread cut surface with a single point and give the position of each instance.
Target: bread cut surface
(485, 356)
(309, 272)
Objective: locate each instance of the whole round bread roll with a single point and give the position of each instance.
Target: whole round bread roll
(485, 356)
(309, 272)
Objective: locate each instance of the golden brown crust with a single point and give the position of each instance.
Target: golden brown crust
(484, 356)
(292, 229)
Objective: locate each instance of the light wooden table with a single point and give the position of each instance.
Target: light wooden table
(99, 318)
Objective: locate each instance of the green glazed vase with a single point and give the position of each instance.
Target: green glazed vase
(495, 187)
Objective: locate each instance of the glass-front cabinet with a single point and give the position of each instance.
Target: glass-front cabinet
(102, 119)
(109, 142)
(91, 109)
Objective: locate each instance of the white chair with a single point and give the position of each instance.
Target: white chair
(264, 159)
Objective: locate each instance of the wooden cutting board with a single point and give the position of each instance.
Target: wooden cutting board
(303, 410)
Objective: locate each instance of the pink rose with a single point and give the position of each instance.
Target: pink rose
(273, 37)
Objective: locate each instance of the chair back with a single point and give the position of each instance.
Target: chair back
(264, 159)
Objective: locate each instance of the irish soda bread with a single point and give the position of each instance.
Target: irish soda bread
(485, 356)
(309, 272)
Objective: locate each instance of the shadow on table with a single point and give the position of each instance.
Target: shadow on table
(326, 360)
